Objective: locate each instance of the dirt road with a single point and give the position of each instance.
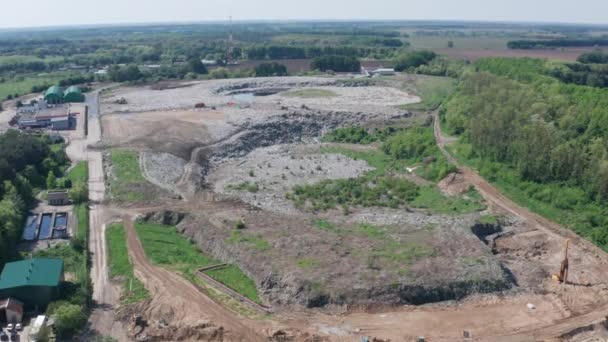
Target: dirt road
(586, 249)
(102, 317)
(181, 301)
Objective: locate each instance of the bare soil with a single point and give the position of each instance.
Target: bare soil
(297, 265)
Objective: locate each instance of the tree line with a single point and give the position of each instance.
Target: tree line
(556, 43)
(336, 63)
(553, 135)
(25, 163)
(300, 52)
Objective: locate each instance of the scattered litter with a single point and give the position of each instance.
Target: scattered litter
(531, 306)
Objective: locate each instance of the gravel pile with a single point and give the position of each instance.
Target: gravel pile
(162, 169)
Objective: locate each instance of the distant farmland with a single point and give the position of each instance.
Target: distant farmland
(568, 55)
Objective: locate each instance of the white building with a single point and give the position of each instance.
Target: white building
(383, 72)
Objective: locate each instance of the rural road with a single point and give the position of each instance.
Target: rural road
(102, 317)
(494, 196)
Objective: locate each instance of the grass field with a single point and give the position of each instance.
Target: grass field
(133, 291)
(429, 197)
(82, 218)
(23, 84)
(165, 246)
(310, 93)
(432, 90)
(79, 173)
(127, 176)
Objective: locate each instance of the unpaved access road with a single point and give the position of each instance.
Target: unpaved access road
(179, 298)
(102, 317)
(587, 250)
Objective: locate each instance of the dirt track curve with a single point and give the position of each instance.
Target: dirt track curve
(492, 195)
(178, 295)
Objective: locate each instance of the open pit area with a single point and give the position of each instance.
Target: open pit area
(232, 167)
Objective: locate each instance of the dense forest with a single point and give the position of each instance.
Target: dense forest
(26, 163)
(553, 136)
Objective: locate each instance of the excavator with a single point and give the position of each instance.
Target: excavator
(562, 277)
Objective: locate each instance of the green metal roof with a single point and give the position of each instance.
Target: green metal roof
(72, 89)
(31, 272)
(54, 90)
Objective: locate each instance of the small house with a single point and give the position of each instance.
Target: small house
(11, 311)
(58, 197)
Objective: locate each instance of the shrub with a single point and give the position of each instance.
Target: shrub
(239, 224)
(69, 318)
(413, 60)
(415, 143)
(270, 69)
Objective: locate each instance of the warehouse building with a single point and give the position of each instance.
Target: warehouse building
(73, 94)
(53, 95)
(34, 282)
(56, 117)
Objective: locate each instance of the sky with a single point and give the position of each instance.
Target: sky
(35, 13)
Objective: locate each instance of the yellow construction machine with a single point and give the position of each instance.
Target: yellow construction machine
(562, 277)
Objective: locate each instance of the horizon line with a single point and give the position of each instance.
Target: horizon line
(285, 21)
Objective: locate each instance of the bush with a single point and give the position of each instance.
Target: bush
(124, 73)
(415, 143)
(69, 319)
(381, 191)
(79, 193)
(413, 60)
(360, 135)
(219, 73)
(270, 69)
(239, 224)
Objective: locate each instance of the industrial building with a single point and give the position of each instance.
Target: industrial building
(53, 95)
(56, 117)
(34, 282)
(73, 94)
